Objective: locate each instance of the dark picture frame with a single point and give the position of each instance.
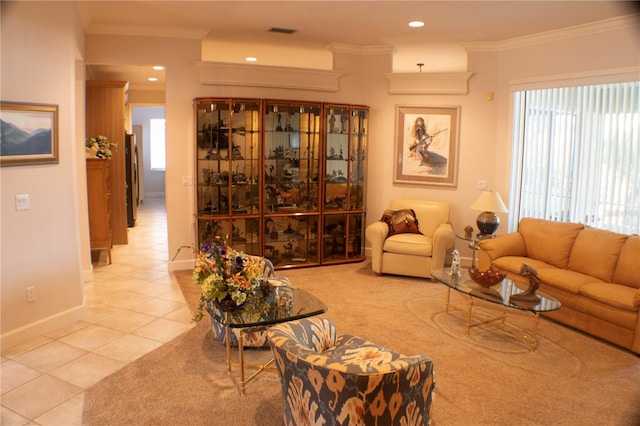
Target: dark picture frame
(427, 145)
(28, 133)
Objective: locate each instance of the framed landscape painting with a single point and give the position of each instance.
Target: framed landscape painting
(28, 133)
(426, 148)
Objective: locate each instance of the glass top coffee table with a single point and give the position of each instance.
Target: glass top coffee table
(498, 298)
(290, 304)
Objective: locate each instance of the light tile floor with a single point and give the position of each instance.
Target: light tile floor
(134, 306)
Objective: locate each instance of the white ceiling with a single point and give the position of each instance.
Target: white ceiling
(320, 23)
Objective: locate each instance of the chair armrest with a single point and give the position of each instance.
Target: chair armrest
(376, 233)
(511, 244)
(443, 241)
(636, 299)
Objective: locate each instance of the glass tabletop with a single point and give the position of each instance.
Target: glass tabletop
(499, 294)
(290, 304)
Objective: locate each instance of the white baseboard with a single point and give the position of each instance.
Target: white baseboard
(41, 327)
(182, 265)
(154, 195)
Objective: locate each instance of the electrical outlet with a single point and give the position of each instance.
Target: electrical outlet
(187, 180)
(31, 294)
(482, 184)
(22, 202)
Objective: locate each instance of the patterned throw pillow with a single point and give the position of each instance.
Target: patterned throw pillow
(401, 221)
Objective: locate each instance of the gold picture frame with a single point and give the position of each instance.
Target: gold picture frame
(28, 134)
(427, 144)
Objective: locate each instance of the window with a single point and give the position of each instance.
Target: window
(157, 144)
(576, 156)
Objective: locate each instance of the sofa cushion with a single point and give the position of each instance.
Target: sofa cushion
(616, 295)
(569, 281)
(401, 221)
(514, 263)
(595, 252)
(628, 268)
(413, 244)
(549, 241)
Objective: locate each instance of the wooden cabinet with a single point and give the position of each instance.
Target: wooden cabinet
(98, 195)
(105, 115)
(281, 179)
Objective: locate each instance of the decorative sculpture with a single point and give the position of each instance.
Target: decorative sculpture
(529, 295)
(455, 265)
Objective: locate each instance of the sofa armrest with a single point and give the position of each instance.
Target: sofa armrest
(511, 244)
(376, 234)
(443, 241)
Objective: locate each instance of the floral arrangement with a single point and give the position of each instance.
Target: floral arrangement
(230, 278)
(100, 147)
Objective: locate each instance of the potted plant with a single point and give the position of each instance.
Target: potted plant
(100, 147)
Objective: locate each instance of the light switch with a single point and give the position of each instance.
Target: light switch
(482, 184)
(22, 202)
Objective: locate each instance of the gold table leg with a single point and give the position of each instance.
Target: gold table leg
(241, 355)
(531, 339)
(267, 366)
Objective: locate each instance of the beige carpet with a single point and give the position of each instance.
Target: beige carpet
(486, 378)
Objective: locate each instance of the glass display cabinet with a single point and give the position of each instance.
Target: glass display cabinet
(282, 179)
(344, 183)
(228, 172)
(291, 182)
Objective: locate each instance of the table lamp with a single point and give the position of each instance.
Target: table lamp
(489, 203)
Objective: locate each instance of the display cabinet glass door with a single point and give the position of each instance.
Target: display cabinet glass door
(291, 240)
(228, 168)
(213, 158)
(291, 206)
(345, 169)
(342, 237)
(245, 158)
(336, 157)
(291, 158)
(358, 158)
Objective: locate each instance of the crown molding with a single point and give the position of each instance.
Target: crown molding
(352, 49)
(253, 75)
(613, 24)
(440, 83)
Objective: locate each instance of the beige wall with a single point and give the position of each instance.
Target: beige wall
(43, 246)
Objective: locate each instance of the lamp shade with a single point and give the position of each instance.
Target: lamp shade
(488, 222)
(489, 201)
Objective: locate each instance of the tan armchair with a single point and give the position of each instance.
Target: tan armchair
(412, 254)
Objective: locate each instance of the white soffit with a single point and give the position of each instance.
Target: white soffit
(227, 51)
(253, 75)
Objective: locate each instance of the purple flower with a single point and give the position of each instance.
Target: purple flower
(222, 249)
(206, 247)
(238, 264)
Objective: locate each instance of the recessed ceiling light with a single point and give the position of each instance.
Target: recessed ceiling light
(158, 67)
(416, 24)
(152, 79)
(250, 59)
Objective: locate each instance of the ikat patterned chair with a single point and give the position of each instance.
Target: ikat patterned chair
(346, 380)
(257, 339)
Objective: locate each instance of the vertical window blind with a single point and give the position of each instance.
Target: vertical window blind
(576, 156)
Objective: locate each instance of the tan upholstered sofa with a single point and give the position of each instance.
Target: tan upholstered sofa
(408, 253)
(593, 272)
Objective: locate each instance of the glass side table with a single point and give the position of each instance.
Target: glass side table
(473, 240)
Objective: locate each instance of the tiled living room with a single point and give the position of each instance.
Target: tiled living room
(89, 338)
